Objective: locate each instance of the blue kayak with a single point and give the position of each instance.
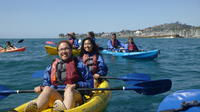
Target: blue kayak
(136, 55)
(181, 100)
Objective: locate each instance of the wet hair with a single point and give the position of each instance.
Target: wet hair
(130, 38)
(94, 47)
(91, 33)
(114, 34)
(64, 41)
(8, 42)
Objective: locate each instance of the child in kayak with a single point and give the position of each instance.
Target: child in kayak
(131, 46)
(114, 44)
(66, 73)
(73, 40)
(94, 61)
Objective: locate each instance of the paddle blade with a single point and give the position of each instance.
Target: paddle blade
(136, 76)
(20, 41)
(132, 79)
(2, 94)
(50, 42)
(154, 87)
(38, 74)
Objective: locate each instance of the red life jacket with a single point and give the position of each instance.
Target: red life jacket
(71, 72)
(132, 47)
(92, 66)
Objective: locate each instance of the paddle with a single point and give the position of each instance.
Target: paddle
(129, 77)
(145, 88)
(4, 91)
(20, 41)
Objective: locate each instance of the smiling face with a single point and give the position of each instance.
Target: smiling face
(88, 46)
(64, 51)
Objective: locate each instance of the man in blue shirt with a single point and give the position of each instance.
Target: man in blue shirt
(114, 43)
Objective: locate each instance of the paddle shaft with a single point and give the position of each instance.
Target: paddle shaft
(110, 89)
(16, 91)
(145, 88)
(80, 89)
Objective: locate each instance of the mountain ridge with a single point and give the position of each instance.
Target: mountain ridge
(171, 30)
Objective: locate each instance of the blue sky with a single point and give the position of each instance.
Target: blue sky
(27, 18)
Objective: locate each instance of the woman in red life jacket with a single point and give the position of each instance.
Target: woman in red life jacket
(67, 73)
(94, 61)
(131, 46)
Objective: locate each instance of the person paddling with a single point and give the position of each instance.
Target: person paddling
(131, 46)
(9, 46)
(66, 72)
(94, 61)
(72, 39)
(114, 43)
(91, 35)
(1, 48)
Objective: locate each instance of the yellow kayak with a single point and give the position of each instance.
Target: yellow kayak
(53, 51)
(97, 103)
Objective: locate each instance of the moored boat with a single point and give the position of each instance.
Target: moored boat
(14, 50)
(135, 55)
(53, 51)
(181, 101)
(97, 103)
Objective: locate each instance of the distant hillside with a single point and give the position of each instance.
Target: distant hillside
(171, 26)
(172, 29)
(176, 29)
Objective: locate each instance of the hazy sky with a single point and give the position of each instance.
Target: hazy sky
(28, 18)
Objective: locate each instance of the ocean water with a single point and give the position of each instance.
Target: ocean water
(179, 60)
